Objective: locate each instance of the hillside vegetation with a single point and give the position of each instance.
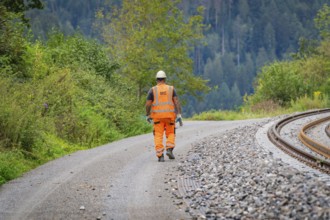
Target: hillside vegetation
(306, 77)
(287, 86)
(66, 97)
(57, 97)
(241, 36)
(65, 93)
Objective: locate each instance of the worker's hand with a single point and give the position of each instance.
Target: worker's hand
(148, 119)
(179, 119)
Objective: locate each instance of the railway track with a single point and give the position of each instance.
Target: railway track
(327, 130)
(310, 142)
(303, 156)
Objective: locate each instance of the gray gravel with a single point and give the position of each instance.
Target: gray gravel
(230, 176)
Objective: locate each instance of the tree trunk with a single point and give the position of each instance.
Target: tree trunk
(223, 40)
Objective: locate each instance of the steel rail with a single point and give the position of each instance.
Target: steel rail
(327, 130)
(313, 144)
(275, 137)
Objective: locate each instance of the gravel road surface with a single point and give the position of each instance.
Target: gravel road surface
(238, 175)
(121, 180)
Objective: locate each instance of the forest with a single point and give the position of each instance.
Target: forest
(74, 74)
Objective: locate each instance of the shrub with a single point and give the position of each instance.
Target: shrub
(69, 99)
(12, 165)
(305, 103)
(267, 106)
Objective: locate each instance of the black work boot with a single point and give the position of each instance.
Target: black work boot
(169, 153)
(161, 158)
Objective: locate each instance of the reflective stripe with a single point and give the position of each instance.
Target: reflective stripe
(164, 110)
(170, 93)
(163, 103)
(156, 94)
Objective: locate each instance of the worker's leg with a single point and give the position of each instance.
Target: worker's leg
(159, 127)
(170, 134)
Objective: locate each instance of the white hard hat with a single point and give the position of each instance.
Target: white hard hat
(160, 74)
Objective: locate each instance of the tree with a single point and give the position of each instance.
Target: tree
(239, 31)
(262, 58)
(236, 98)
(246, 75)
(244, 10)
(229, 69)
(213, 46)
(224, 99)
(148, 35)
(322, 21)
(213, 71)
(270, 41)
(20, 6)
(12, 43)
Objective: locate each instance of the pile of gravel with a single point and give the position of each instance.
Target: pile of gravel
(229, 176)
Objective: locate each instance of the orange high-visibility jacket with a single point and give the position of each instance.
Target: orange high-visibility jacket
(163, 106)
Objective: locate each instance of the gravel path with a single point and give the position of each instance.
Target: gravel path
(230, 176)
(121, 180)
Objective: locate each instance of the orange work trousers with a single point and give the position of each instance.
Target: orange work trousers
(162, 125)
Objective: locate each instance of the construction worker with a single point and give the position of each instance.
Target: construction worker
(163, 108)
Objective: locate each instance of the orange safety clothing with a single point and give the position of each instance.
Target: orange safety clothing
(162, 105)
(161, 125)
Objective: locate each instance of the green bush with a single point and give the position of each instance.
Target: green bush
(12, 165)
(280, 82)
(305, 103)
(286, 82)
(69, 99)
(12, 43)
(18, 115)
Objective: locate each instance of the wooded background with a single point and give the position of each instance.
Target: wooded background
(240, 37)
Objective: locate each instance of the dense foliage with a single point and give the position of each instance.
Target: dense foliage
(58, 96)
(308, 75)
(20, 6)
(12, 45)
(68, 98)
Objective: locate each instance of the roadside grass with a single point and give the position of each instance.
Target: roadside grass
(214, 115)
(266, 109)
(14, 162)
